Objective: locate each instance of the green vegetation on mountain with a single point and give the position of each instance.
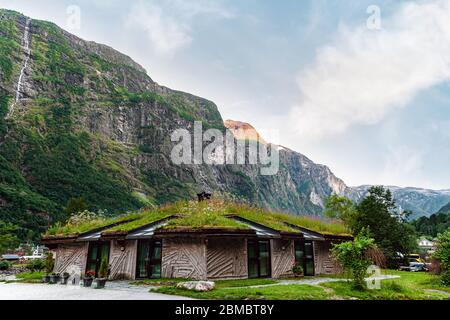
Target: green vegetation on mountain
(433, 225)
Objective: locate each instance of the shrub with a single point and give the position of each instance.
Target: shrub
(36, 265)
(297, 269)
(354, 256)
(103, 272)
(49, 263)
(442, 254)
(4, 265)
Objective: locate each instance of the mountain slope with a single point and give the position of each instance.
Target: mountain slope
(422, 202)
(79, 119)
(445, 209)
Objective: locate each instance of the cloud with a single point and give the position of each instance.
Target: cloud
(365, 74)
(168, 23)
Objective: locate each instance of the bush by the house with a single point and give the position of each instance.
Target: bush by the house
(355, 257)
(36, 265)
(49, 263)
(4, 265)
(442, 254)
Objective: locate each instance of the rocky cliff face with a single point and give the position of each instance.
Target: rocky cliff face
(79, 119)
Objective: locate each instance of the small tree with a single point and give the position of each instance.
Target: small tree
(341, 208)
(103, 271)
(442, 254)
(49, 263)
(355, 258)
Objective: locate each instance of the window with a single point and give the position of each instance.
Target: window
(97, 251)
(304, 255)
(149, 259)
(258, 259)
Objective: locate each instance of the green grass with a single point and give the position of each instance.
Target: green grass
(30, 277)
(85, 226)
(239, 283)
(280, 292)
(390, 290)
(419, 280)
(194, 215)
(159, 282)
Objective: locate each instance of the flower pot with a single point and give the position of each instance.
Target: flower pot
(46, 279)
(64, 280)
(99, 283)
(86, 282)
(54, 278)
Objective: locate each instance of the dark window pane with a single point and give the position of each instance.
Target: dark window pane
(156, 252)
(253, 269)
(252, 250)
(94, 250)
(309, 268)
(156, 271)
(142, 262)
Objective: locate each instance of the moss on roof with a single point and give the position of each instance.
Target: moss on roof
(210, 214)
(80, 227)
(329, 227)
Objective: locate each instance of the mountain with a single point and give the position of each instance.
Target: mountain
(79, 119)
(422, 202)
(445, 209)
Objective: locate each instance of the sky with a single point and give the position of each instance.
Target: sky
(360, 86)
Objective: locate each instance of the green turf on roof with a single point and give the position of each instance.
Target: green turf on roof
(314, 224)
(148, 217)
(208, 214)
(86, 226)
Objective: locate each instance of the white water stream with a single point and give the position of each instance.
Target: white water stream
(27, 51)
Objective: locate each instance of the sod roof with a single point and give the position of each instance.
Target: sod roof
(204, 215)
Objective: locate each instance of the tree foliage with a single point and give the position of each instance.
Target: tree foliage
(378, 213)
(8, 239)
(433, 225)
(442, 254)
(75, 205)
(354, 256)
(342, 208)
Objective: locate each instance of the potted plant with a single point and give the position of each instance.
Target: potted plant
(64, 278)
(49, 266)
(297, 269)
(54, 278)
(86, 280)
(103, 273)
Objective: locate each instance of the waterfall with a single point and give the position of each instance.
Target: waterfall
(27, 51)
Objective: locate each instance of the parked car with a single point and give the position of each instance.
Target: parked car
(415, 267)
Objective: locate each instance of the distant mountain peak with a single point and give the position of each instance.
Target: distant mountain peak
(243, 131)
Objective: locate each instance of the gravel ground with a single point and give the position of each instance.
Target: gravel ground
(113, 291)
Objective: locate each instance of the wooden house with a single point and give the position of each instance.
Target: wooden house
(198, 241)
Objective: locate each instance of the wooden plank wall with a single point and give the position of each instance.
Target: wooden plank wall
(123, 262)
(227, 259)
(323, 261)
(72, 257)
(283, 258)
(184, 258)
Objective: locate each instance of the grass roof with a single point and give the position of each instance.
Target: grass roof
(208, 214)
(82, 226)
